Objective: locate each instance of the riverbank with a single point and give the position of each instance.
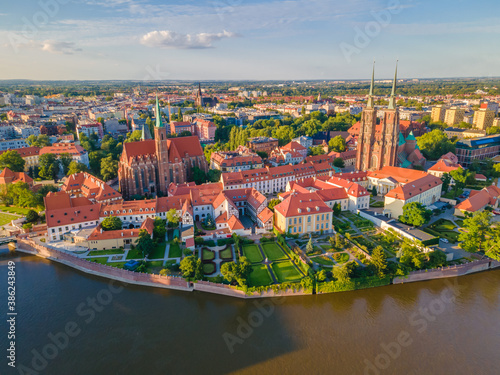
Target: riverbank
(179, 283)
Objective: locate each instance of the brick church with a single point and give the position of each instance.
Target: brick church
(382, 144)
(148, 166)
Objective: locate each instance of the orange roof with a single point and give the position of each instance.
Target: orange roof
(90, 186)
(265, 215)
(414, 188)
(234, 223)
(135, 149)
(25, 151)
(184, 147)
(62, 148)
(444, 166)
(401, 175)
(298, 204)
(221, 219)
(99, 234)
(72, 215)
(293, 146)
(352, 188)
(122, 208)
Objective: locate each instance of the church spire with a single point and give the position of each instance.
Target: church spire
(159, 123)
(370, 103)
(392, 100)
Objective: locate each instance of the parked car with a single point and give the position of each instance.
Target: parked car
(443, 240)
(496, 212)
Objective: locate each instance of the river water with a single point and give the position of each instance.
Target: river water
(70, 323)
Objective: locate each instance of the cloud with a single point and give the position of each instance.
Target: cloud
(67, 48)
(171, 39)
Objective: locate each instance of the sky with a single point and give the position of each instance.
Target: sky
(247, 39)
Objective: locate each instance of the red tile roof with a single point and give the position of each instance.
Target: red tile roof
(298, 204)
(414, 188)
(98, 234)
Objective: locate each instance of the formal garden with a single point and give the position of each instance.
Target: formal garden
(445, 229)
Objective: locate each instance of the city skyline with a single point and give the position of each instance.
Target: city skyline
(251, 40)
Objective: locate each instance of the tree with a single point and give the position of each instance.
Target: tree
(111, 223)
(49, 166)
(263, 155)
(190, 267)
(273, 203)
(341, 274)
(173, 218)
(460, 176)
(213, 175)
(410, 255)
(446, 178)
(109, 168)
(435, 144)
(159, 230)
(31, 216)
(337, 209)
(436, 258)
(317, 150)
(477, 227)
(321, 275)
(134, 136)
(379, 261)
(415, 214)
(12, 160)
(339, 163)
(374, 191)
(238, 271)
(76, 167)
(309, 246)
(65, 159)
(144, 242)
(337, 144)
(41, 140)
(199, 176)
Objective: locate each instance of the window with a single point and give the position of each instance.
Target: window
(309, 219)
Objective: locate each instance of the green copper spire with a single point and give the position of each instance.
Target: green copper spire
(370, 103)
(392, 100)
(159, 123)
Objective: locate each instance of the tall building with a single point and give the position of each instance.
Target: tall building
(454, 116)
(378, 144)
(483, 118)
(150, 165)
(201, 101)
(437, 113)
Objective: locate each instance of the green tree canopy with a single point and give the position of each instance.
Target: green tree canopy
(415, 214)
(476, 231)
(76, 167)
(12, 160)
(173, 218)
(144, 242)
(109, 168)
(111, 223)
(435, 144)
(48, 166)
(337, 144)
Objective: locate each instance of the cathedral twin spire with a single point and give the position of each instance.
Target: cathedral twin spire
(392, 99)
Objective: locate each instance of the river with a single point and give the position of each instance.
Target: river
(71, 323)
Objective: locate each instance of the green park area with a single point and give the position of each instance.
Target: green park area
(286, 272)
(15, 210)
(158, 251)
(208, 268)
(323, 260)
(175, 250)
(273, 251)
(443, 228)
(252, 253)
(106, 252)
(341, 258)
(6, 218)
(208, 255)
(260, 276)
(226, 253)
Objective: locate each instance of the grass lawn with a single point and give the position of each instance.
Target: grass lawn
(450, 236)
(103, 260)
(286, 271)
(15, 210)
(273, 251)
(6, 218)
(175, 250)
(106, 252)
(326, 247)
(134, 254)
(158, 251)
(377, 204)
(154, 266)
(227, 253)
(325, 261)
(208, 255)
(208, 268)
(253, 253)
(459, 222)
(260, 276)
(442, 225)
(341, 257)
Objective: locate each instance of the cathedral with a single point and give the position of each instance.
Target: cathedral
(148, 166)
(382, 144)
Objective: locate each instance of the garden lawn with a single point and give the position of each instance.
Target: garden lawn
(158, 251)
(325, 261)
(286, 272)
(341, 258)
(103, 260)
(175, 250)
(253, 253)
(273, 251)
(154, 266)
(208, 268)
(326, 247)
(377, 204)
(208, 255)
(259, 276)
(106, 252)
(6, 218)
(15, 210)
(227, 253)
(134, 254)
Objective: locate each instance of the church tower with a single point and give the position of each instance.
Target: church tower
(367, 129)
(390, 128)
(161, 148)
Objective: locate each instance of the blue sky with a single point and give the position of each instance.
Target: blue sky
(247, 39)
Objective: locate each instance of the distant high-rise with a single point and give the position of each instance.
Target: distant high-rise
(483, 118)
(438, 113)
(454, 116)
